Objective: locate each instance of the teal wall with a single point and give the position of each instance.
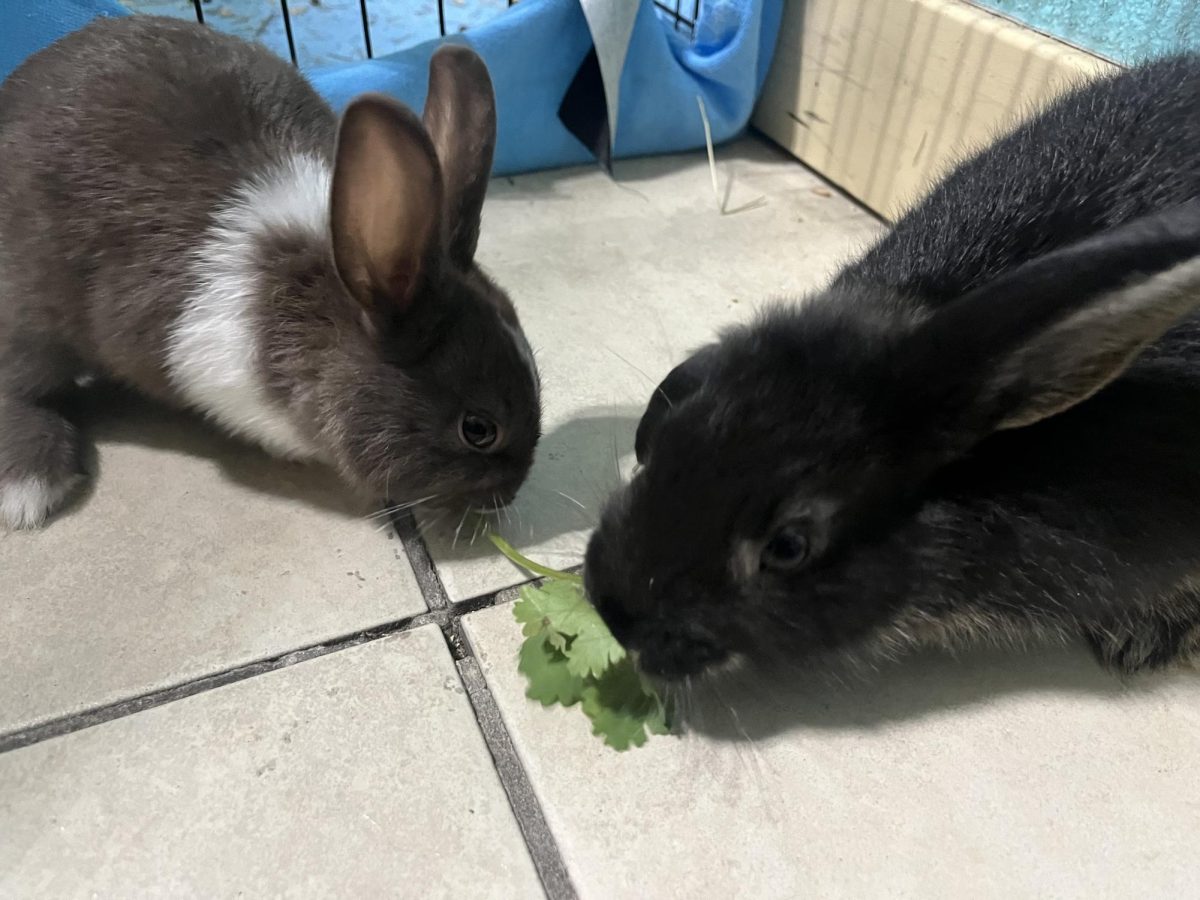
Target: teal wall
(1122, 30)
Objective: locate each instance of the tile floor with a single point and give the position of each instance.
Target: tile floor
(221, 679)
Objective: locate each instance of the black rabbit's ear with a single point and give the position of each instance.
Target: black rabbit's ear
(1040, 339)
(680, 383)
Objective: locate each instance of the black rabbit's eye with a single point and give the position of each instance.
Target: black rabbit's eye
(787, 549)
(478, 432)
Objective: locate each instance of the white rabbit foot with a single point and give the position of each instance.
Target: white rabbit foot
(39, 464)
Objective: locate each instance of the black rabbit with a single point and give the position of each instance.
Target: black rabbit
(986, 429)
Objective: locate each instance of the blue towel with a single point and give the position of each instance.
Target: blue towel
(26, 27)
(533, 51)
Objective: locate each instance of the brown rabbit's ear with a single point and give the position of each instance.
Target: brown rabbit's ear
(385, 204)
(460, 115)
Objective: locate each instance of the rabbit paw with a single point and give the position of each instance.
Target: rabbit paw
(39, 464)
(1145, 643)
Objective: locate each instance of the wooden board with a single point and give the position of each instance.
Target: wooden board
(881, 96)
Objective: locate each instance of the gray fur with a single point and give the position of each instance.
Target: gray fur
(119, 145)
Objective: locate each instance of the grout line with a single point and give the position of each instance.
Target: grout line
(465, 607)
(422, 564)
(539, 840)
(127, 706)
(108, 712)
(522, 799)
(526, 807)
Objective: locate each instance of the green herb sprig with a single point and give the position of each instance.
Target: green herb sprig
(569, 656)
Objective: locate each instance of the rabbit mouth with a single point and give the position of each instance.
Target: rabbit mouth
(677, 654)
(460, 520)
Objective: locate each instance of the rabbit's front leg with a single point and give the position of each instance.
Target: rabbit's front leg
(40, 454)
(1167, 634)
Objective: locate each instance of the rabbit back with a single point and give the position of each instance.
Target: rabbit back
(120, 145)
(1113, 150)
(1087, 520)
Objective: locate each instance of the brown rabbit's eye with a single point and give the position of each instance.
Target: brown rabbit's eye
(478, 432)
(787, 549)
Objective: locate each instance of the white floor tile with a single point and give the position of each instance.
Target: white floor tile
(357, 774)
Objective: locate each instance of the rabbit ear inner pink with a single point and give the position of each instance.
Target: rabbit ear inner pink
(385, 204)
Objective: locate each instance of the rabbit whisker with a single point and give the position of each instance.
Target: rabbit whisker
(649, 380)
(480, 523)
(400, 507)
(457, 531)
(567, 496)
(425, 526)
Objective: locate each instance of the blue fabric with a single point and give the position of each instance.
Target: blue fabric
(26, 26)
(533, 51)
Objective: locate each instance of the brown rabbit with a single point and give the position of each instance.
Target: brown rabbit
(182, 213)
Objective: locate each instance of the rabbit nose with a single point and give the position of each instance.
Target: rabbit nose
(675, 651)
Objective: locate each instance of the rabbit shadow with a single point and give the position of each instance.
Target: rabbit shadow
(755, 707)
(108, 415)
(575, 471)
(579, 463)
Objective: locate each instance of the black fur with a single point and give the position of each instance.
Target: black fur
(988, 426)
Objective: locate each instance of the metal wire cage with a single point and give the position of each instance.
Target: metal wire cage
(675, 12)
(682, 14)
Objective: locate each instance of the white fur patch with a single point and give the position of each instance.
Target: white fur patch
(27, 502)
(213, 353)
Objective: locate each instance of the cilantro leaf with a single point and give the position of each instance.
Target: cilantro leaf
(567, 608)
(619, 729)
(545, 670)
(561, 611)
(621, 688)
(557, 606)
(620, 707)
(593, 650)
(539, 611)
(658, 722)
(569, 655)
